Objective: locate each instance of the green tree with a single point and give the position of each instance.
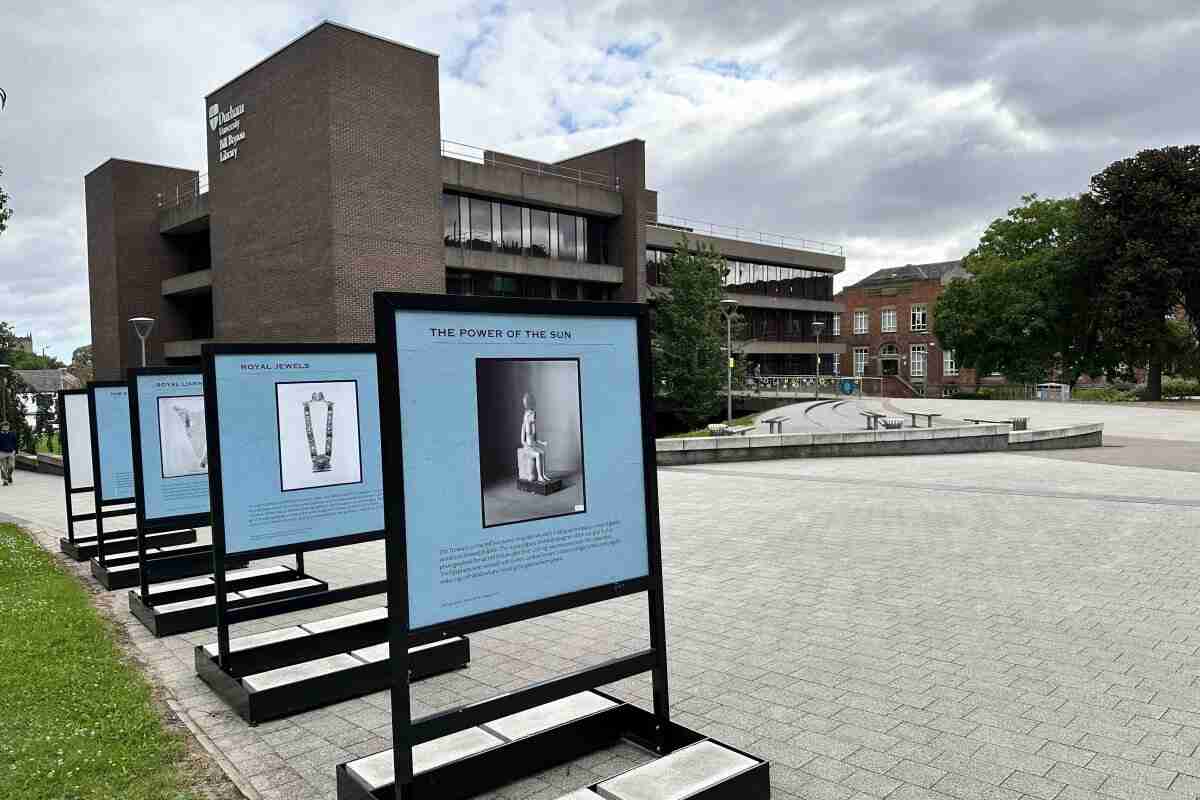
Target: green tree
(82, 365)
(1140, 235)
(689, 333)
(11, 386)
(1025, 309)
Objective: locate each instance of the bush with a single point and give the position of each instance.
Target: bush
(1104, 394)
(1180, 387)
(982, 394)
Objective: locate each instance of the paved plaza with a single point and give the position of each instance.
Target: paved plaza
(991, 625)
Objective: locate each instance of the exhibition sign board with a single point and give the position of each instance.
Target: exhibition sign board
(76, 437)
(112, 443)
(518, 449)
(170, 451)
(485, 397)
(293, 446)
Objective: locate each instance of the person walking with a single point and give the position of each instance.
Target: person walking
(8, 454)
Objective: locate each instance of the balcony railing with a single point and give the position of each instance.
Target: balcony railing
(738, 233)
(479, 155)
(184, 192)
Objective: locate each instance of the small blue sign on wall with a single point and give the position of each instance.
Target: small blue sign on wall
(847, 386)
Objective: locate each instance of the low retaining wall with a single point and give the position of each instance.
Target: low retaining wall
(1091, 435)
(42, 462)
(905, 442)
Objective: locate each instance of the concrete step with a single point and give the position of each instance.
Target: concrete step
(678, 776)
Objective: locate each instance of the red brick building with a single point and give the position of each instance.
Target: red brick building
(887, 328)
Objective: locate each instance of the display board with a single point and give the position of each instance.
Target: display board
(294, 447)
(170, 447)
(112, 443)
(77, 435)
(537, 420)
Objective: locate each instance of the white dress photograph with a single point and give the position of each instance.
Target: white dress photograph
(318, 434)
(182, 442)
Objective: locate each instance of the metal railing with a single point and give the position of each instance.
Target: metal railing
(184, 192)
(480, 155)
(801, 386)
(738, 233)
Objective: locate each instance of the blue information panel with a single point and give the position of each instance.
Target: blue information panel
(523, 466)
(300, 453)
(173, 445)
(114, 443)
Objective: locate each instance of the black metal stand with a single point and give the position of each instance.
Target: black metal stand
(176, 559)
(80, 548)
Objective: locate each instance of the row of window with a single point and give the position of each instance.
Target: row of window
(749, 277)
(918, 358)
(790, 325)
(489, 225)
(490, 284)
(918, 319)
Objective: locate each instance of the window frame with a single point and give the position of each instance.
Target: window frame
(884, 315)
(863, 315)
(913, 311)
(913, 350)
(860, 364)
(949, 363)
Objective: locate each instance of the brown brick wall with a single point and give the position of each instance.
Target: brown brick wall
(270, 225)
(900, 296)
(127, 261)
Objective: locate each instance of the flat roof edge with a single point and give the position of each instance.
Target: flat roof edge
(139, 163)
(310, 31)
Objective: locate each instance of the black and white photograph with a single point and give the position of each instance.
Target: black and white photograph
(530, 439)
(318, 434)
(182, 445)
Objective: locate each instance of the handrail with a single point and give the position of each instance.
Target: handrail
(480, 155)
(741, 234)
(184, 192)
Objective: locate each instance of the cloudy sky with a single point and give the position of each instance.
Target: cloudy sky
(896, 129)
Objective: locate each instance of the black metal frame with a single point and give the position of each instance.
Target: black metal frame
(97, 483)
(407, 732)
(174, 565)
(77, 550)
(209, 353)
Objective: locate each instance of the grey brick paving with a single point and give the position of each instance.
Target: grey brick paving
(976, 626)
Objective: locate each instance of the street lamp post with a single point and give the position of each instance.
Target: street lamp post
(817, 327)
(729, 308)
(142, 327)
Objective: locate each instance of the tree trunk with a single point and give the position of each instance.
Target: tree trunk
(1154, 380)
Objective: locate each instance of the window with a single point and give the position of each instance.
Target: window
(539, 233)
(837, 362)
(919, 317)
(554, 215)
(481, 225)
(457, 281)
(536, 287)
(566, 290)
(510, 228)
(861, 321)
(916, 361)
(949, 365)
(887, 320)
(566, 238)
(450, 216)
(836, 327)
(860, 361)
(595, 291)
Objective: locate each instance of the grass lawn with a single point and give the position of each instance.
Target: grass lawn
(737, 421)
(76, 720)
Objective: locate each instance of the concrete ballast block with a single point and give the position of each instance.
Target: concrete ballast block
(679, 775)
(549, 715)
(259, 639)
(298, 672)
(346, 620)
(380, 769)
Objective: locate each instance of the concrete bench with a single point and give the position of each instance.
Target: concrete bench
(775, 424)
(928, 415)
(873, 419)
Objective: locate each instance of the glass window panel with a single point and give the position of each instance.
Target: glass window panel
(595, 291)
(510, 228)
(553, 235)
(450, 219)
(537, 287)
(505, 286)
(496, 233)
(566, 237)
(539, 233)
(581, 239)
(457, 281)
(597, 246)
(566, 290)
(524, 230)
(481, 224)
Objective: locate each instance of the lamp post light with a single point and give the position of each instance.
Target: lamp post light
(817, 327)
(142, 327)
(729, 308)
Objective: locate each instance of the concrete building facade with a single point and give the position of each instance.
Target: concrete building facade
(328, 179)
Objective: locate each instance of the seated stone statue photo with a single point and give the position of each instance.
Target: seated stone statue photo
(531, 455)
(530, 439)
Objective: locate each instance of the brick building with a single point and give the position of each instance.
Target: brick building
(327, 179)
(887, 328)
